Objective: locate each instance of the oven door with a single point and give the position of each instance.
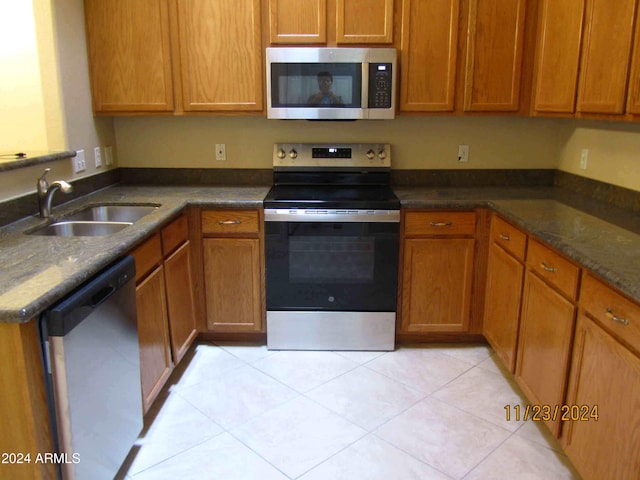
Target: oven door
(332, 260)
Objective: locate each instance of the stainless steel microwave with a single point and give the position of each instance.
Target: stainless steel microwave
(331, 83)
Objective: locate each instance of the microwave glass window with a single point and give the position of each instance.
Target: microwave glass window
(334, 85)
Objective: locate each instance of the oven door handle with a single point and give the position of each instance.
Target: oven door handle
(331, 215)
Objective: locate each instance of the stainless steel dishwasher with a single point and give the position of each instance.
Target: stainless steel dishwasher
(92, 360)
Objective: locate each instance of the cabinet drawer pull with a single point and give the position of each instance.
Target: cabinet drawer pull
(547, 268)
(229, 222)
(505, 237)
(616, 318)
(441, 224)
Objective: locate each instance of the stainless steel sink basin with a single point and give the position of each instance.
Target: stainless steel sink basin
(81, 229)
(111, 213)
(95, 220)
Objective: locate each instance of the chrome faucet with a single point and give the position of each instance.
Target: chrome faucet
(46, 191)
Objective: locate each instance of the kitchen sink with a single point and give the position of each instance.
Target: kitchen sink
(96, 220)
(111, 213)
(81, 229)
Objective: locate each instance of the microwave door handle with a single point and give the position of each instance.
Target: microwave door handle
(365, 86)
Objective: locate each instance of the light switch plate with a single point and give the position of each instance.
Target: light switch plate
(97, 155)
(79, 163)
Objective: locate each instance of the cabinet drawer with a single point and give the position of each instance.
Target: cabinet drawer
(614, 311)
(440, 223)
(174, 235)
(553, 267)
(508, 237)
(230, 221)
(147, 256)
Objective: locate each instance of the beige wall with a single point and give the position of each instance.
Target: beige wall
(22, 120)
(614, 152)
(49, 106)
(417, 142)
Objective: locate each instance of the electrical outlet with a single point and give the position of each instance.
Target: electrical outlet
(221, 152)
(108, 155)
(584, 157)
(80, 164)
(97, 155)
(463, 153)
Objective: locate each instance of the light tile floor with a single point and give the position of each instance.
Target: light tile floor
(234, 412)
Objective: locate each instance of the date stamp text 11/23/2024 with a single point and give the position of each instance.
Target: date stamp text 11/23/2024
(545, 413)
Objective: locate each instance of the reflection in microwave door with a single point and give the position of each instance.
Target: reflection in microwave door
(308, 91)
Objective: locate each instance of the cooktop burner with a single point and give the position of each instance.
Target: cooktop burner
(342, 176)
(305, 196)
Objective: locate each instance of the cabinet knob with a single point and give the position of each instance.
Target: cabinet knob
(441, 224)
(505, 237)
(229, 222)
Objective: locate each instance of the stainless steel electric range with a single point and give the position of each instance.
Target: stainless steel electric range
(332, 242)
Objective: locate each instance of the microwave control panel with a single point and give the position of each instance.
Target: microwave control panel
(380, 83)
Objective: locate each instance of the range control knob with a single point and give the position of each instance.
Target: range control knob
(370, 154)
(382, 154)
(293, 153)
(281, 154)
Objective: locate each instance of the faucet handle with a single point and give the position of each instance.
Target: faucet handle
(46, 170)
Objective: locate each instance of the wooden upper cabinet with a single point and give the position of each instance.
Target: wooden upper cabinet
(364, 21)
(428, 55)
(633, 96)
(330, 22)
(558, 55)
(606, 51)
(494, 55)
(297, 21)
(220, 55)
(129, 55)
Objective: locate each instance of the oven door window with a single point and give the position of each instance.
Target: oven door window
(331, 266)
(302, 85)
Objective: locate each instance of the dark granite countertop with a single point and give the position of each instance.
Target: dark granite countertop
(38, 271)
(600, 237)
(13, 160)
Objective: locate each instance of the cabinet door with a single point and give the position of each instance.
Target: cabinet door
(633, 97)
(606, 51)
(297, 21)
(180, 301)
(558, 55)
(232, 275)
(544, 345)
(429, 55)
(129, 55)
(494, 55)
(153, 335)
(502, 304)
(364, 21)
(220, 55)
(604, 375)
(436, 285)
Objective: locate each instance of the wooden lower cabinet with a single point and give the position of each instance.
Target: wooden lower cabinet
(605, 375)
(436, 284)
(505, 276)
(153, 335)
(180, 301)
(233, 284)
(544, 344)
